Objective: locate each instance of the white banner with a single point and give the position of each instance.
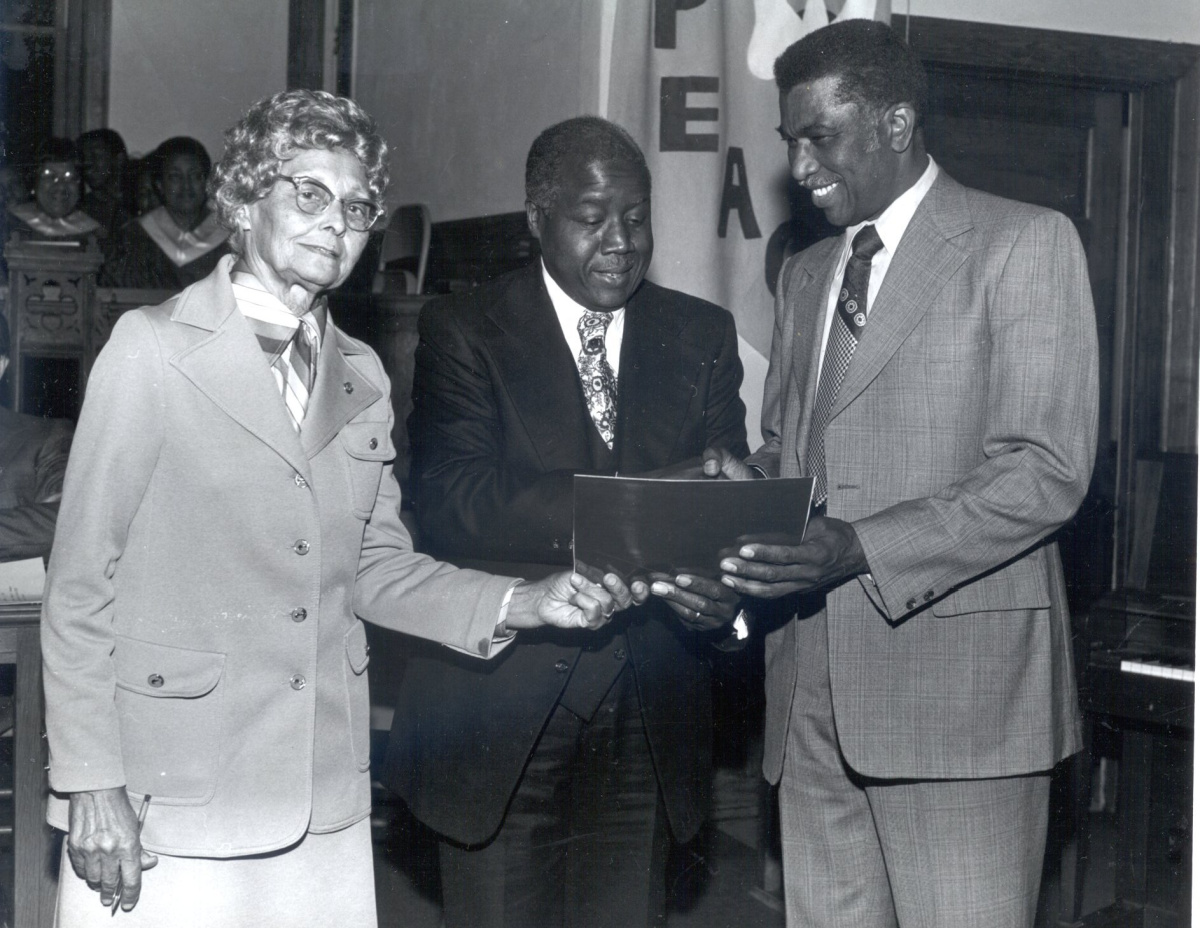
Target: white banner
(692, 81)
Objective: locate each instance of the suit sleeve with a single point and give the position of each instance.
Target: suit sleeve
(115, 453)
(1038, 437)
(412, 593)
(467, 500)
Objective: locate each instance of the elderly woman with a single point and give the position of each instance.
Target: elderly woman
(53, 212)
(229, 511)
(174, 245)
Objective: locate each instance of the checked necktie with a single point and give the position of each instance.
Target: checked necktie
(294, 369)
(596, 374)
(848, 324)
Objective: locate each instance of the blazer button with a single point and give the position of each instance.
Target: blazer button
(299, 614)
(562, 666)
(297, 682)
(301, 482)
(928, 595)
(155, 680)
(301, 547)
(373, 443)
(911, 604)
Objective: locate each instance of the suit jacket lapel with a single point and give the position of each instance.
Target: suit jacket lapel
(654, 384)
(807, 303)
(339, 394)
(925, 261)
(530, 351)
(229, 367)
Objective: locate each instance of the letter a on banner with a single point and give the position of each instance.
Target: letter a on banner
(692, 80)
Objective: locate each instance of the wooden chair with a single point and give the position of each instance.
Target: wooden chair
(404, 253)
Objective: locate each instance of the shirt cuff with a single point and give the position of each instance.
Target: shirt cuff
(758, 470)
(502, 632)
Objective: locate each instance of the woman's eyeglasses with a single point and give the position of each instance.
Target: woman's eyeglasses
(313, 198)
(51, 176)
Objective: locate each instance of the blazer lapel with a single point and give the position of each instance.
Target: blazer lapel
(229, 367)
(528, 346)
(339, 394)
(657, 372)
(924, 263)
(808, 303)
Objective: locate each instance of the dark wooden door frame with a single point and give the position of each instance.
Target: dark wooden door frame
(1154, 372)
(306, 44)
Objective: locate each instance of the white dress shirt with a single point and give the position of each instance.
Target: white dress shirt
(569, 313)
(891, 226)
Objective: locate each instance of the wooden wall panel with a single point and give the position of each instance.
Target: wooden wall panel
(1181, 377)
(306, 45)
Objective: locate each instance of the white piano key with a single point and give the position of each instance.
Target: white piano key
(1184, 674)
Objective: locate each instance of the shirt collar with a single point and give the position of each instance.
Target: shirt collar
(564, 304)
(893, 221)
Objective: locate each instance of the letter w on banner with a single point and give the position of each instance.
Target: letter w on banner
(692, 80)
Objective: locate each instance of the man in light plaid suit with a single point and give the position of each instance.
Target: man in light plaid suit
(921, 689)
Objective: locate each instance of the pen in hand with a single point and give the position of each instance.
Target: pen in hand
(141, 819)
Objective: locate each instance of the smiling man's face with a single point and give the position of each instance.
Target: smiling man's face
(596, 237)
(840, 151)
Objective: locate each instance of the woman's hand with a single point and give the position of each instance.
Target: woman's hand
(104, 846)
(570, 600)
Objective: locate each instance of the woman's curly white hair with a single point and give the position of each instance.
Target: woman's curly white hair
(275, 130)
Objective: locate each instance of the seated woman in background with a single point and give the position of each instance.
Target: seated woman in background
(53, 213)
(176, 244)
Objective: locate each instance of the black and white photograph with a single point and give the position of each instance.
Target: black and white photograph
(378, 384)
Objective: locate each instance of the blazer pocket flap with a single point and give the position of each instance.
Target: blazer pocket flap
(1017, 586)
(163, 670)
(357, 650)
(367, 441)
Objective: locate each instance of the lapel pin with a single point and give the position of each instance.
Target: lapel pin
(348, 387)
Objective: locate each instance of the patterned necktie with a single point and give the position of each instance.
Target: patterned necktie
(596, 374)
(294, 370)
(848, 324)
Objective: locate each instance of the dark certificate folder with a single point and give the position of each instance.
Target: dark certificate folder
(630, 525)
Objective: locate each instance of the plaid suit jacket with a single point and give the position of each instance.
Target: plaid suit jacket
(963, 436)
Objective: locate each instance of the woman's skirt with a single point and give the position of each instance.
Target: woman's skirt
(324, 880)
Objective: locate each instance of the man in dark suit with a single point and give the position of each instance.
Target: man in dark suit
(557, 774)
(934, 369)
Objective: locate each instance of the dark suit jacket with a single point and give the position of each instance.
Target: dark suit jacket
(33, 461)
(499, 429)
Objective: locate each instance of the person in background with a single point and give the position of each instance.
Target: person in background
(103, 160)
(33, 461)
(54, 213)
(178, 243)
(559, 775)
(228, 516)
(142, 194)
(934, 369)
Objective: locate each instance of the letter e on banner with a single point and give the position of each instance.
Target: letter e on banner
(676, 114)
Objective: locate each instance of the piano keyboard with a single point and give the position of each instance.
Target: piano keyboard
(1185, 674)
